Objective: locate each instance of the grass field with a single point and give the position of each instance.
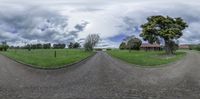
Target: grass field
(147, 59)
(44, 58)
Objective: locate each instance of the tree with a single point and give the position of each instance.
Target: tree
(4, 46)
(198, 48)
(134, 44)
(91, 41)
(59, 46)
(122, 46)
(70, 45)
(47, 46)
(28, 47)
(166, 28)
(33, 46)
(39, 46)
(1, 48)
(76, 45)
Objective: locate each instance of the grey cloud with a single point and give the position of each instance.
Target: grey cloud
(80, 27)
(36, 23)
(87, 9)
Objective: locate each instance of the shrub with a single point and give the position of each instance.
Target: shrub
(198, 48)
(4, 47)
(108, 49)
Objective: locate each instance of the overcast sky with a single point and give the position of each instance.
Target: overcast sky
(64, 21)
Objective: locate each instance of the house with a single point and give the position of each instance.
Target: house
(151, 47)
(185, 46)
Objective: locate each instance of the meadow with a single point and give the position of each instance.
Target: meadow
(147, 59)
(47, 58)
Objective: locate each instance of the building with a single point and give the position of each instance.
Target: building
(102, 49)
(185, 46)
(151, 47)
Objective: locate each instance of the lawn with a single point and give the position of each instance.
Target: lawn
(44, 58)
(147, 59)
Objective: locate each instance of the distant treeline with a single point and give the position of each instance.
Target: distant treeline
(194, 47)
(47, 46)
(40, 46)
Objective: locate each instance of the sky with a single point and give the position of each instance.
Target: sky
(64, 21)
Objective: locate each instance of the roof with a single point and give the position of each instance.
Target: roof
(184, 46)
(149, 45)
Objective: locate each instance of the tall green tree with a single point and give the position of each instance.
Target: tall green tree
(134, 44)
(4, 46)
(76, 45)
(122, 46)
(166, 28)
(70, 45)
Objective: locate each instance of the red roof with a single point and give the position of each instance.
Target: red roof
(150, 45)
(184, 46)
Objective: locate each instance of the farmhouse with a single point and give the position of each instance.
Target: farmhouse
(150, 47)
(184, 46)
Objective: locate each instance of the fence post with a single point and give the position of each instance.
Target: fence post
(55, 54)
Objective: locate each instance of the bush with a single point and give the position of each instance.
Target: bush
(98, 49)
(194, 47)
(1, 48)
(198, 48)
(108, 49)
(122, 46)
(4, 47)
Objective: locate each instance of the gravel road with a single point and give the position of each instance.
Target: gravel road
(102, 77)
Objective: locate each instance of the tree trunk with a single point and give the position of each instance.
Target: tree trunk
(168, 48)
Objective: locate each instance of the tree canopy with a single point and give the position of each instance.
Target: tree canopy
(131, 43)
(161, 27)
(74, 45)
(91, 41)
(122, 46)
(134, 44)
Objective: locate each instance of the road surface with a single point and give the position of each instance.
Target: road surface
(102, 77)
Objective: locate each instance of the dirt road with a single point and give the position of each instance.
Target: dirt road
(102, 77)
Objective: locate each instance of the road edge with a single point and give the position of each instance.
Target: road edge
(156, 66)
(59, 67)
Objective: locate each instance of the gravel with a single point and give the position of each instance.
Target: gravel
(102, 77)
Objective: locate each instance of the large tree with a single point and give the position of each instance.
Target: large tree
(134, 44)
(160, 27)
(91, 41)
(122, 46)
(76, 45)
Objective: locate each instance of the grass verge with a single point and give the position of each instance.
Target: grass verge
(44, 58)
(147, 59)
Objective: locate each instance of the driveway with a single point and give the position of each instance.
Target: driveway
(102, 77)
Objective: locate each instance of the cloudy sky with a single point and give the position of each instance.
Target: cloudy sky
(64, 21)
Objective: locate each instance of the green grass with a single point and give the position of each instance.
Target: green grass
(44, 58)
(147, 59)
